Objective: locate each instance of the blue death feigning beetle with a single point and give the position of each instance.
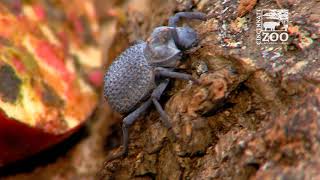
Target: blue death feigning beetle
(139, 75)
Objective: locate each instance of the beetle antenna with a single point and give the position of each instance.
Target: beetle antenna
(173, 20)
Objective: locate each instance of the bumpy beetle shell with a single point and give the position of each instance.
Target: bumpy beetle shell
(129, 80)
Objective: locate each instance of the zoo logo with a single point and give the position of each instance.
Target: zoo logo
(272, 26)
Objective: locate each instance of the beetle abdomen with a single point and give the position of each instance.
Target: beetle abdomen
(129, 79)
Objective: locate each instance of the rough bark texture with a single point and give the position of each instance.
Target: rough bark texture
(256, 114)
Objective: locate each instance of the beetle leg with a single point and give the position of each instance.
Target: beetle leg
(164, 117)
(173, 20)
(127, 121)
(155, 96)
(157, 92)
(177, 75)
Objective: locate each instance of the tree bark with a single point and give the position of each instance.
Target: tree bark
(253, 116)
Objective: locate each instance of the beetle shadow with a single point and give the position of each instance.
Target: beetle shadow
(45, 157)
(113, 140)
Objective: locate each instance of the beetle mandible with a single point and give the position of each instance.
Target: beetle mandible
(138, 76)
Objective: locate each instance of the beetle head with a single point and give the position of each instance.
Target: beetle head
(187, 38)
